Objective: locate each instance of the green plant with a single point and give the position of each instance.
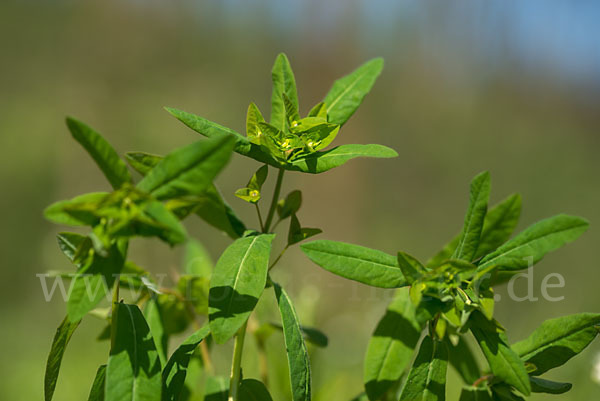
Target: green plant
(446, 297)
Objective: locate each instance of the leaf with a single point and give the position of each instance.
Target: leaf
(133, 370)
(311, 334)
(473, 226)
(319, 110)
(62, 212)
(142, 162)
(298, 234)
(175, 370)
(530, 246)
(101, 151)
(504, 362)
(475, 394)
(391, 346)
(290, 205)
(319, 162)
(253, 390)
(188, 170)
(500, 222)
(297, 354)
(558, 340)
(462, 359)
(251, 193)
(216, 388)
(411, 268)
(427, 378)
(155, 324)
(354, 262)
(253, 118)
(539, 385)
(97, 391)
(59, 345)
(347, 93)
(94, 280)
(283, 83)
(163, 224)
(69, 243)
(236, 284)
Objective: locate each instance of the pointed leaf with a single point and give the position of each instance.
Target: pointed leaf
(504, 362)
(64, 212)
(539, 385)
(367, 266)
(298, 234)
(97, 391)
(236, 284)
(253, 390)
(411, 268)
(471, 234)
(59, 344)
(157, 330)
(188, 170)
(175, 370)
(133, 370)
(391, 346)
(347, 93)
(101, 151)
(558, 340)
(320, 162)
(427, 378)
(69, 243)
(142, 162)
(291, 204)
(533, 243)
(253, 118)
(297, 354)
(283, 82)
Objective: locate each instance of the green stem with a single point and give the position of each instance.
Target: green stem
(113, 319)
(274, 200)
(262, 227)
(236, 371)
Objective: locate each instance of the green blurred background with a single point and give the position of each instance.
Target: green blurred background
(508, 86)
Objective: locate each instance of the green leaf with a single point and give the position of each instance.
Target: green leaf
(319, 110)
(236, 284)
(67, 211)
(188, 170)
(503, 392)
(319, 162)
(462, 359)
(175, 370)
(290, 205)
(533, 243)
(163, 224)
(411, 268)
(298, 234)
(157, 330)
(69, 243)
(539, 385)
(216, 388)
(473, 226)
(94, 280)
(253, 118)
(475, 394)
(354, 262)
(297, 354)
(210, 129)
(100, 150)
(142, 162)
(500, 222)
(504, 362)
(283, 83)
(311, 334)
(427, 378)
(97, 391)
(59, 344)
(558, 340)
(347, 93)
(253, 390)
(391, 346)
(251, 193)
(133, 370)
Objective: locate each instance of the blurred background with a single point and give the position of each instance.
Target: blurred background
(508, 86)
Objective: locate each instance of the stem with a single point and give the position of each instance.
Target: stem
(481, 380)
(236, 371)
(278, 257)
(262, 227)
(274, 200)
(113, 321)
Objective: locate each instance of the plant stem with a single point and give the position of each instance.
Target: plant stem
(278, 257)
(236, 371)
(274, 200)
(113, 319)
(262, 227)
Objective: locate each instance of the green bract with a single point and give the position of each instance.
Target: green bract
(438, 309)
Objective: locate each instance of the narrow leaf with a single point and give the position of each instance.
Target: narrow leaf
(319, 162)
(237, 282)
(297, 354)
(133, 370)
(558, 340)
(101, 151)
(347, 93)
(283, 83)
(411, 268)
(427, 378)
(539, 385)
(253, 390)
(473, 226)
(142, 162)
(59, 345)
(97, 391)
(157, 330)
(531, 245)
(367, 266)
(175, 370)
(63, 212)
(391, 346)
(69, 243)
